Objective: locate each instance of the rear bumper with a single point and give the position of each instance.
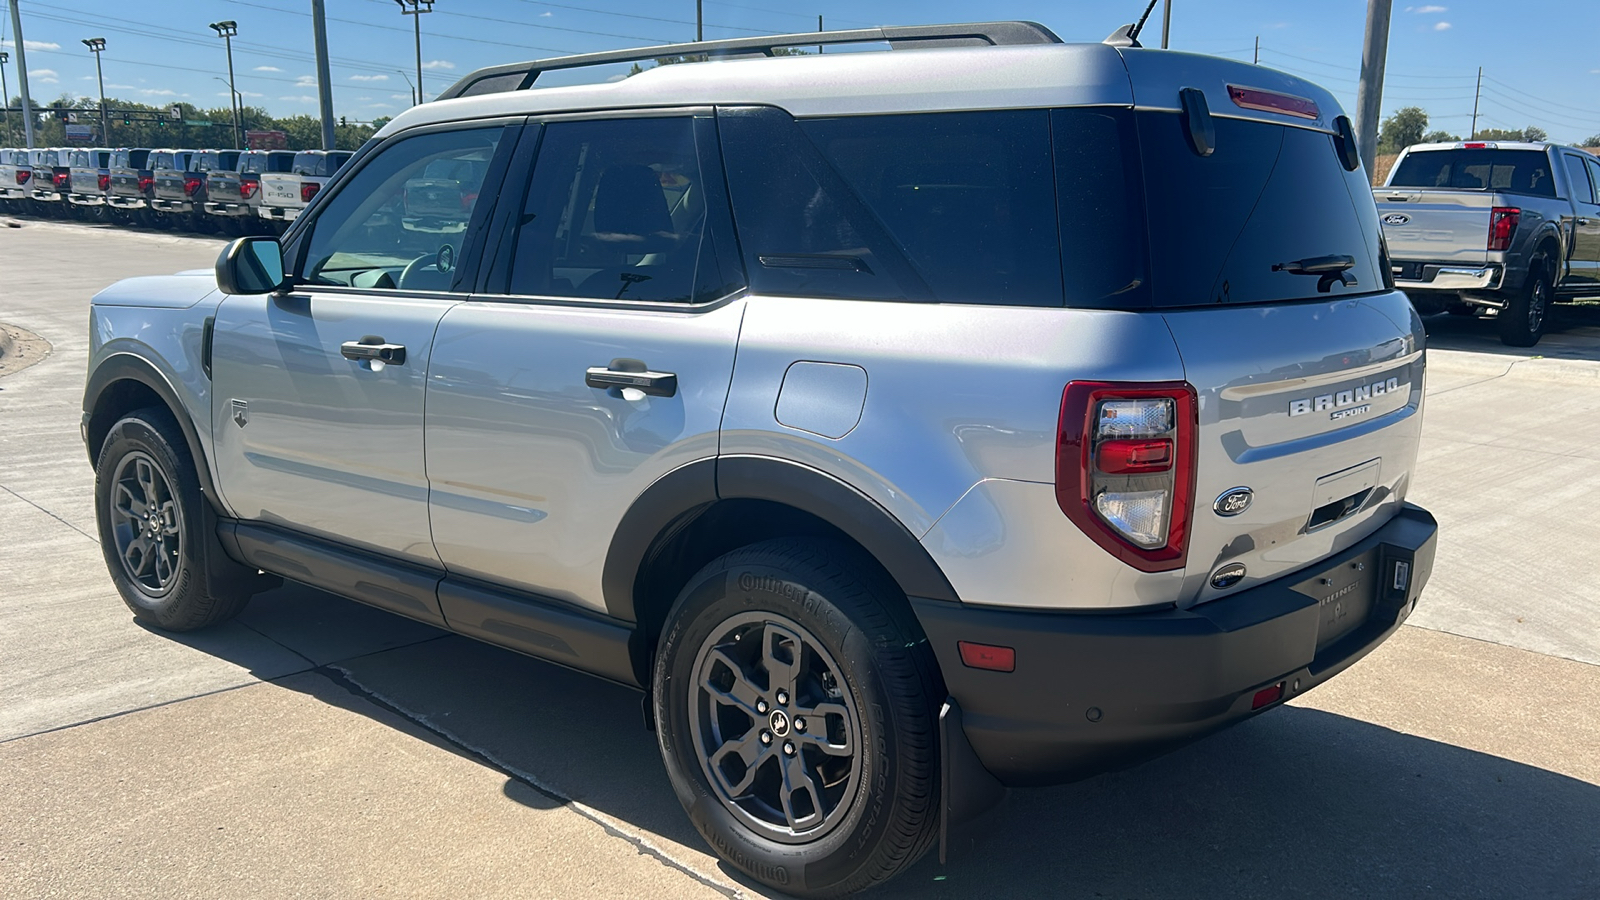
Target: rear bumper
(1426, 276)
(87, 199)
(1095, 692)
(172, 206)
(50, 196)
(14, 193)
(228, 209)
(281, 213)
(125, 202)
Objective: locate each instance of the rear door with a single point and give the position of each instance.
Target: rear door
(597, 359)
(1583, 255)
(318, 410)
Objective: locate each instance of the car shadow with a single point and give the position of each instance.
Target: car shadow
(1574, 333)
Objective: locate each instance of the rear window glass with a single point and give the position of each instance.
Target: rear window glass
(80, 158)
(280, 162)
(161, 160)
(967, 197)
(204, 162)
(310, 164)
(251, 162)
(1511, 171)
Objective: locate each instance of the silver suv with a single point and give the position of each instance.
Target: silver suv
(989, 411)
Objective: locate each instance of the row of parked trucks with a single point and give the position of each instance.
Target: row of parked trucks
(232, 191)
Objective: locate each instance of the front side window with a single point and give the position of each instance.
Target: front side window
(399, 223)
(1582, 191)
(617, 210)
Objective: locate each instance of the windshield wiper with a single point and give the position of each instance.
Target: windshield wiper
(1330, 268)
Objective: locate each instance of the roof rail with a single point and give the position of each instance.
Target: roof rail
(518, 76)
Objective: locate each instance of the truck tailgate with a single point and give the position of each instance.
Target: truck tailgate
(1319, 420)
(1435, 226)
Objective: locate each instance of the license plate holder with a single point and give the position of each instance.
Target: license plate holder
(1346, 594)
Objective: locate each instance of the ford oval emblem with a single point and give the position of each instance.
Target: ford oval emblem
(1396, 219)
(1227, 576)
(1234, 501)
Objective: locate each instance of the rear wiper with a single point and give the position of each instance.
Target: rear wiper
(1331, 268)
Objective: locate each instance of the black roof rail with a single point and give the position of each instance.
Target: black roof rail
(518, 76)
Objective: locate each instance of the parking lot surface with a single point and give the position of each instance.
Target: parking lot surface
(318, 748)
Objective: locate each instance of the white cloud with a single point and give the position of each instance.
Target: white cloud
(9, 44)
(379, 106)
(438, 64)
(546, 15)
(300, 99)
(267, 69)
(306, 81)
(121, 87)
(44, 76)
(157, 92)
(250, 94)
(369, 78)
(1427, 10)
(1441, 26)
(406, 97)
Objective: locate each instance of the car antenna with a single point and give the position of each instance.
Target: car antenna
(1128, 35)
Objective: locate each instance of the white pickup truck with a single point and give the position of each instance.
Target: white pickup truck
(1493, 228)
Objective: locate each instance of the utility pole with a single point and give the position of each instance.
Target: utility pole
(22, 70)
(96, 45)
(1475, 95)
(226, 31)
(699, 21)
(1369, 90)
(418, 7)
(819, 31)
(319, 28)
(5, 97)
(1257, 60)
(1166, 22)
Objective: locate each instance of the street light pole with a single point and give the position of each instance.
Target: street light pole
(96, 45)
(226, 31)
(413, 87)
(22, 70)
(5, 94)
(415, 9)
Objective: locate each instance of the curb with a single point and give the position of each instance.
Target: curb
(5, 341)
(1536, 368)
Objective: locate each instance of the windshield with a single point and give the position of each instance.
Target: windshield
(1477, 169)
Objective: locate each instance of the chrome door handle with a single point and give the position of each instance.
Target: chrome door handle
(1582, 221)
(373, 349)
(630, 373)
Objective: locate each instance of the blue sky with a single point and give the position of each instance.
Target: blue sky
(1541, 61)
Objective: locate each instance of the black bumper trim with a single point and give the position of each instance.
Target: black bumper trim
(1099, 691)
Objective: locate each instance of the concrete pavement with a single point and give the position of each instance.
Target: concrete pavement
(318, 748)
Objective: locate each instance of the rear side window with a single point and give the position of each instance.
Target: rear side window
(1582, 190)
(1511, 171)
(967, 197)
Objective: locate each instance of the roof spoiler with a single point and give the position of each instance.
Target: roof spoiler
(519, 76)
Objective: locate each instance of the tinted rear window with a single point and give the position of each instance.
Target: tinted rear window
(160, 161)
(1512, 171)
(309, 164)
(281, 161)
(252, 162)
(204, 162)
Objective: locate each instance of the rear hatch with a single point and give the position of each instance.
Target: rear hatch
(1308, 385)
(125, 168)
(281, 189)
(1436, 205)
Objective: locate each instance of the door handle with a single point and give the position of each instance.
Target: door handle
(373, 349)
(1582, 221)
(631, 373)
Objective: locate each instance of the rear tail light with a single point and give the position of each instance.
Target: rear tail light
(23, 175)
(309, 190)
(105, 183)
(247, 189)
(1125, 468)
(191, 184)
(62, 179)
(146, 182)
(1503, 224)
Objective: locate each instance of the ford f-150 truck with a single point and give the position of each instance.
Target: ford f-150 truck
(15, 173)
(1493, 228)
(89, 179)
(131, 182)
(284, 195)
(234, 194)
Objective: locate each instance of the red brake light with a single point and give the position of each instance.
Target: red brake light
(146, 182)
(105, 182)
(1475, 145)
(309, 190)
(191, 184)
(62, 179)
(1502, 224)
(247, 189)
(1272, 101)
(1125, 457)
(23, 175)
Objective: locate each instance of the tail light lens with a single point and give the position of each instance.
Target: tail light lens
(309, 190)
(1125, 468)
(191, 184)
(105, 183)
(1502, 225)
(247, 189)
(23, 175)
(62, 179)
(146, 182)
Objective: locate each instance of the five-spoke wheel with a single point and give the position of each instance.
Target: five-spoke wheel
(145, 523)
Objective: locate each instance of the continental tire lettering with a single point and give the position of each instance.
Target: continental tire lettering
(772, 584)
(733, 855)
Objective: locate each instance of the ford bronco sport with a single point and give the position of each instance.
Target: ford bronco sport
(987, 411)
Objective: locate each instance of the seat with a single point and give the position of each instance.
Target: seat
(631, 219)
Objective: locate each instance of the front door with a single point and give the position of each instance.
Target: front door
(1584, 255)
(600, 363)
(318, 393)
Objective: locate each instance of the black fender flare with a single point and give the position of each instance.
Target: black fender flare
(675, 498)
(131, 367)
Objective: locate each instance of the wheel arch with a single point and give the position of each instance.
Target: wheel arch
(125, 382)
(704, 509)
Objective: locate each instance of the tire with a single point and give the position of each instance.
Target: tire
(146, 475)
(1525, 317)
(823, 675)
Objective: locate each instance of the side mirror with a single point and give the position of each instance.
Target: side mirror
(252, 265)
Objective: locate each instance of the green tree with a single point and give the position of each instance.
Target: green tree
(1531, 133)
(1592, 140)
(1401, 130)
(1440, 137)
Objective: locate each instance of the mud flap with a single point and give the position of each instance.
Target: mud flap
(967, 790)
(226, 572)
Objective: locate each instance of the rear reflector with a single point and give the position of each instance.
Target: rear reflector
(1267, 695)
(105, 182)
(1272, 101)
(987, 656)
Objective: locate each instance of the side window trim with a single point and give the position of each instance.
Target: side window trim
(1593, 167)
